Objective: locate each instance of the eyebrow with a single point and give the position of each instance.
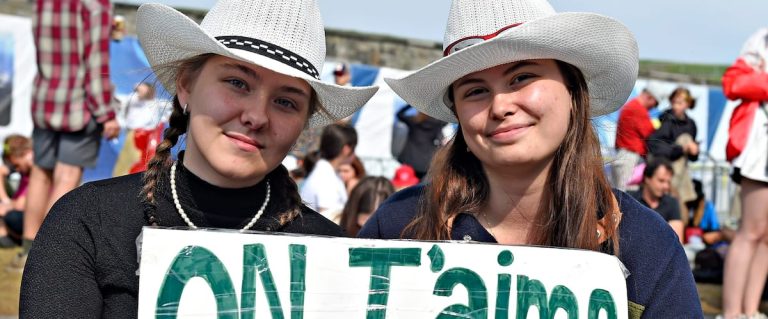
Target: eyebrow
(294, 90)
(242, 68)
(252, 74)
(518, 66)
(509, 70)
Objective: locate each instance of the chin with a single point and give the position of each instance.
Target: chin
(243, 174)
(242, 168)
(515, 158)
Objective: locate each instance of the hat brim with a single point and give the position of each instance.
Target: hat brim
(602, 48)
(168, 36)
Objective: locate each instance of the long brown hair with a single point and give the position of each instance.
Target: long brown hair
(369, 193)
(576, 187)
(286, 201)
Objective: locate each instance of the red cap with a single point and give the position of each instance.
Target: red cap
(405, 176)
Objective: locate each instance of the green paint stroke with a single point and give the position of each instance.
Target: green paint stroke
(255, 262)
(381, 261)
(563, 298)
(503, 286)
(531, 292)
(505, 258)
(191, 262)
(437, 258)
(298, 282)
(601, 299)
(477, 307)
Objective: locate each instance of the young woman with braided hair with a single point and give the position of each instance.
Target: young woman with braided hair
(245, 85)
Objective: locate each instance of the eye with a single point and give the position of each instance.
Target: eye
(521, 78)
(286, 103)
(237, 83)
(475, 91)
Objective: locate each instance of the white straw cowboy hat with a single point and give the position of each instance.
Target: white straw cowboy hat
(284, 36)
(482, 34)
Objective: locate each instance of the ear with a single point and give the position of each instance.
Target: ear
(181, 90)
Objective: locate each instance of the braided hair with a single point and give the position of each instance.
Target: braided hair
(287, 201)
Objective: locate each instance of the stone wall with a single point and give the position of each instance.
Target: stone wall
(342, 45)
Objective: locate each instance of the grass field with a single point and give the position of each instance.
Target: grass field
(694, 73)
(10, 282)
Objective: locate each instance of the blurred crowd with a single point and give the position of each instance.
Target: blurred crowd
(651, 163)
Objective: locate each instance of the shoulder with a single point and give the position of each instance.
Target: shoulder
(312, 223)
(671, 207)
(111, 192)
(632, 106)
(637, 195)
(320, 176)
(669, 200)
(106, 209)
(667, 118)
(660, 278)
(96, 223)
(393, 215)
(125, 181)
(641, 227)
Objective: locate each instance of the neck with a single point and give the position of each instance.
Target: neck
(336, 162)
(649, 198)
(515, 197)
(205, 171)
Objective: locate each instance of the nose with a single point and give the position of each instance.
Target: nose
(255, 114)
(504, 104)
(665, 187)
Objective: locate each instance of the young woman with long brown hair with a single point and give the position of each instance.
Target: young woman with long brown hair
(525, 167)
(245, 84)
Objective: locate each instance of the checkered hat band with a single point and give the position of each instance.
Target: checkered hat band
(272, 51)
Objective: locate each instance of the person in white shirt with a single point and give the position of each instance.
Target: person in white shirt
(141, 110)
(323, 190)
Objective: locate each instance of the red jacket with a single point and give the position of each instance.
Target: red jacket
(634, 127)
(741, 81)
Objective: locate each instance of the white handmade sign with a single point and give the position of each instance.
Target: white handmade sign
(223, 274)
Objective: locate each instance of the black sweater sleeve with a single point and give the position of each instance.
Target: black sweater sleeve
(59, 278)
(661, 143)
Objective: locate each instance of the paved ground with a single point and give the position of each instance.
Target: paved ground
(711, 294)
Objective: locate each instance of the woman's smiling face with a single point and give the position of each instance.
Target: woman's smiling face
(244, 119)
(515, 113)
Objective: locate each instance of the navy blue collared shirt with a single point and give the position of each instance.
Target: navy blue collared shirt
(660, 284)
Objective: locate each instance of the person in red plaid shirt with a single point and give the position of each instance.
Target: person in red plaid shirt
(72, 105)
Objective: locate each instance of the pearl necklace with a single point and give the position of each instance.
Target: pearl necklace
(192, 225)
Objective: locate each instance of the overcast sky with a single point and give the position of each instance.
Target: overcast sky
(696, 31)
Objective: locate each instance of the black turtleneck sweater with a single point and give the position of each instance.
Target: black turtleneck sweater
(83, 262)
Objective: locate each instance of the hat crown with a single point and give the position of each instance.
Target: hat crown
(295, 25)
(471, 18)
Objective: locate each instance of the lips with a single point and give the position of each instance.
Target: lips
(244, 142)
(509, 130)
